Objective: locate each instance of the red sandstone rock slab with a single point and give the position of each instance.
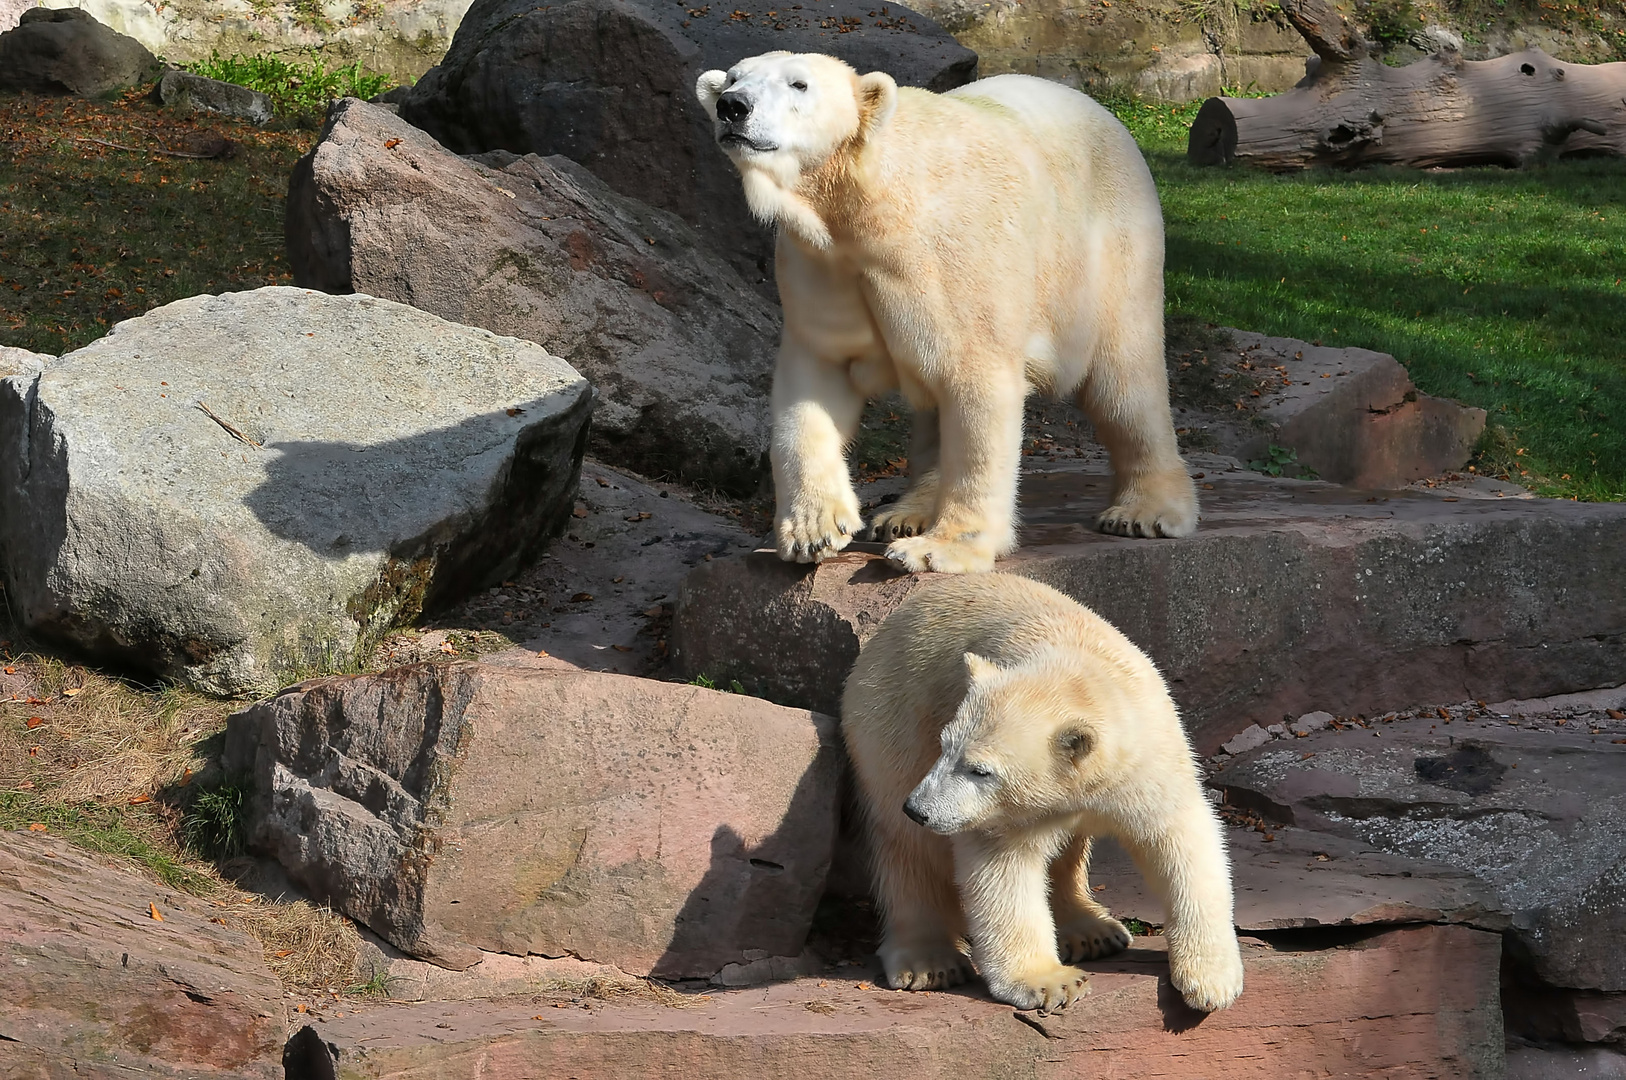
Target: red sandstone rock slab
(1354, 416)
(1292, 596)
(1301, 879)
(1418, 1001)
(93, 985)
(655, 826)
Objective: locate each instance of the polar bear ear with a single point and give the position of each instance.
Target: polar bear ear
(978, 668)
(708, 88)
(877, 97)
(1077, 743)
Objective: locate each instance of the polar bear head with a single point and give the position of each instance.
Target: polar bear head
(782, 117)
(1028, 743)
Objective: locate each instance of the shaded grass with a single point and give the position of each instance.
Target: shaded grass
(1499, 288)
(90, 235)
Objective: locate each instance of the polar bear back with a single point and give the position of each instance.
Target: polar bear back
(911, 676)
(1089, 149)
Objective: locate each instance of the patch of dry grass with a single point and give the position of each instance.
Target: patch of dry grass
(606, 988)
(79, 735)
(107, 766)
(307, 946)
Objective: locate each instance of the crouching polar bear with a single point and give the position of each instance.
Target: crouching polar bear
(961, 248)
(995, 726)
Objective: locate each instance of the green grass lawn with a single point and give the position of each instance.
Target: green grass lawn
(1500, 288)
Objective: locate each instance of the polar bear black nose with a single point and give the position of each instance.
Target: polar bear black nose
(912, 814)
(732, 108)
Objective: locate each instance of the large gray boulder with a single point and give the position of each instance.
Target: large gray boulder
(610, 84)
(240, 490)
(66, 51)
(1540, 816)
(659, 827)
(678, 347)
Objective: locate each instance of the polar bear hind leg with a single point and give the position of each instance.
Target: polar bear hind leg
(1085, 930)
(1126, 397)
(981, 430)
(914, 513)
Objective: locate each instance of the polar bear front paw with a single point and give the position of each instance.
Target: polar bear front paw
(1047, 989)
(941, 555)
(815, 529)
(925, 968)
(1164, 504)
(1209, 984)
(1090, 937)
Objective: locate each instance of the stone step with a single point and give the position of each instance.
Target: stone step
(1292, 596)
(1406, 1001)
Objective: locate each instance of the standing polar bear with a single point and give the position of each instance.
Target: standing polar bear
(962, 248)
(995, 727)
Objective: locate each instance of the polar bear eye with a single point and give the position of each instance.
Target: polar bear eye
(799, 85)
(982, 771)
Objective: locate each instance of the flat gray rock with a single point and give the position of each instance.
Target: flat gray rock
(244, 489)
(1539, 816)
(186, 91)
(679, 349)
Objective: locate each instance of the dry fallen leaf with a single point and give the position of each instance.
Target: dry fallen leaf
(448, 648)
(35, 721)
(391, 144)
(38, 826)
(541, 652)
(654, 611)
(581, 598)
(622, 648)
(1616, 714)
(284, 953)
(11, 671)
(140, 799)
(71, 693)
(579, 511)
(152, 909)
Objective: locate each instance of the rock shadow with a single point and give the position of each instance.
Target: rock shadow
(479, 499)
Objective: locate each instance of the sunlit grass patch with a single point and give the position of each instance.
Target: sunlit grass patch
(296, 88)
(1504, 289)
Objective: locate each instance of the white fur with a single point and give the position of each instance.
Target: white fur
(962, 248)
(1017, 725)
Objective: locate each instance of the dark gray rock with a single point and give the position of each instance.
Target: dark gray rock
(610, 84)
(662, 828)
(66, 51)
(188, 92)
(364, 460)
(1539, 816)
(679, 349)
(1291, 596)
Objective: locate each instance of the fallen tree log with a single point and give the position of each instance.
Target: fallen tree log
(1351, 109)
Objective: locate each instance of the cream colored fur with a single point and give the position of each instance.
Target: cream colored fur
(1078, 738)
(963, 248)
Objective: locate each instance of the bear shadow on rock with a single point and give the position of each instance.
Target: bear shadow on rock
(753, 898)
(337, 499)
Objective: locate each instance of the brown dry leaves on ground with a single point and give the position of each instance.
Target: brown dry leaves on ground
(91, 235)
